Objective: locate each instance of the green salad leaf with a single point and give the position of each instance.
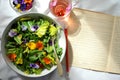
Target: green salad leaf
(53, 30)
(42, 29)
(18, 39)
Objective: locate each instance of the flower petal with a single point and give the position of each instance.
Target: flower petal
(24, 28)
(33, 65)
(12, 32)
(34, 28)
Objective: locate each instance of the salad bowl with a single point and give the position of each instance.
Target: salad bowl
(26, 44)
(22, 6)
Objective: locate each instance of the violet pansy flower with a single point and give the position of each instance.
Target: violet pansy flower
(25, 41)
(50, 42)
(15, 2)
(23, 7)
(34, 28)
(33, 65)
(12, 32)
(20, 1)
(24, 28)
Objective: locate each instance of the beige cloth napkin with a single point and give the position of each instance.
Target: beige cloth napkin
(94, 43)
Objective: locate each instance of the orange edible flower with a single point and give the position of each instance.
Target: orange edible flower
(39, 45)
(28, 1)
(12, 56)
(47, 60)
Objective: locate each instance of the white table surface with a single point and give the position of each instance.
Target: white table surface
(7, 14)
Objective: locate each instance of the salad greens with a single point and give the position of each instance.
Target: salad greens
(29, 45)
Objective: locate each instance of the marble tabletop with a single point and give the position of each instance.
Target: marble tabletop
(7, 14)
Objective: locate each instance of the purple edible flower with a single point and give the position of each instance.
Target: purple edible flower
(25, 41)
(20, 1)
(33, 65)
(24, 28)
(23, 7)
(50, 42)
(12, 33)
(34, 28)
(15, 2)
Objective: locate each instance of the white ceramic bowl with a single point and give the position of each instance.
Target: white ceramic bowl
(62, 44)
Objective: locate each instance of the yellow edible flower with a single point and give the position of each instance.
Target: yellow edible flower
(31, 45)
(18, 6)
(19, 61)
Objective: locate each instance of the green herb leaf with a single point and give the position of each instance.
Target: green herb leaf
(53, 30)
(42, 29)
(33, 58)
(18, 39)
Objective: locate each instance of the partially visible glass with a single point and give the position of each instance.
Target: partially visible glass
(22, 6)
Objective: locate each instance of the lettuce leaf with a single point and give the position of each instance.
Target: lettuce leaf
(53, 30)
(18, 39)
(42, 29)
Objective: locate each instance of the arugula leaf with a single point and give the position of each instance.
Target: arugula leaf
(18, 39)
(49, 49)
(25, 23)
(41, 21)
(37, 71)
(52, 59)
(10, 44)
(30, 24)
(13, 50)
(33, 58)
(18, 27)
(32, 52)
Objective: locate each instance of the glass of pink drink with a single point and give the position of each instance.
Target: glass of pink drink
(60, 8)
